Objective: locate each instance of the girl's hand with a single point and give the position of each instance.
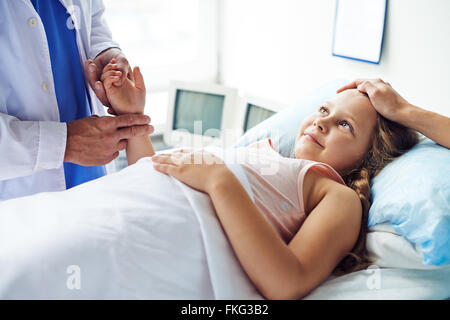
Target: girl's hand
(200, 170)
(383, 97)
(124, 94)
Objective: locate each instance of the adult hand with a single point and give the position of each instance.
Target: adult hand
(383, 97)
(94, 69)
(197, 169)
(94, 140)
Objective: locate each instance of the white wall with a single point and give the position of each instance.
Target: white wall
(281, 49)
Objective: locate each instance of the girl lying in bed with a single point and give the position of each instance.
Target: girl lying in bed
(304, 224)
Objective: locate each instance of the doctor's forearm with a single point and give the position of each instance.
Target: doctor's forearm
(432, 125)
(267, 260)
(139, 147)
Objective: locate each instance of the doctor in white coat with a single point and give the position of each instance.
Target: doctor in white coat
(53, 130)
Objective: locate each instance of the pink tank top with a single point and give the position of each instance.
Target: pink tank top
(277, 185)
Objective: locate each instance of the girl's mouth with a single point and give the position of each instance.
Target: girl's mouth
(311, 138)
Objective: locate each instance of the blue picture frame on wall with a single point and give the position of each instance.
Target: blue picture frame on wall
(359, 29)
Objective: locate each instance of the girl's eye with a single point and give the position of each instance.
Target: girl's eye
(344, 122)
(348, 125)
(322, 108)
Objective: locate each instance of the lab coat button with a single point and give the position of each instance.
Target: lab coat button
(45, 86)
(32, 22)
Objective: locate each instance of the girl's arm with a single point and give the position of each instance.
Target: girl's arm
(278, 270)
(139, 147)
(129, 97)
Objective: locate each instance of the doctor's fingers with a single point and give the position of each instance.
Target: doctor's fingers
(93, 76)
(111, 111)
(135, 131)
(92, 71)
(350, 85)
(109, 159)
(357, 82)
(375, 89)
(368, 87)
(128, 120)
(122, 144)
(125, 67)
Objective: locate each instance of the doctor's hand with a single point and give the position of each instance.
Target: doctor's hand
(95, 141)
(383, 97)
(393, 107)
(200, 170)
(94, 68)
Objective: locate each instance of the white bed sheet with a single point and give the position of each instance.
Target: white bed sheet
(397, 273)
(139, 234)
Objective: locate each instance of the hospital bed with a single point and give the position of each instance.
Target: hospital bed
(107, 239)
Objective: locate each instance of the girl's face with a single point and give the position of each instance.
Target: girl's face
(343, 128)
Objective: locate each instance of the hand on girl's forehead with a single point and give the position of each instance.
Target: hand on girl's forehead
(356, 104)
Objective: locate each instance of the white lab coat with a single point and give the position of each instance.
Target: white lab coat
(32, 140)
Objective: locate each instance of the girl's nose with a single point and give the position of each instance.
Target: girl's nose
(320, 124)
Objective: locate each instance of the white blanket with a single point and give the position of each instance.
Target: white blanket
(140, 234)
(135, 234)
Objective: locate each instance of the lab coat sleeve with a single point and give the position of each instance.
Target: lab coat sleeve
(101, 37)
(30, 146)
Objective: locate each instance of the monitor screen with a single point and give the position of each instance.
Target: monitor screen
(255, 115)
(191, 106)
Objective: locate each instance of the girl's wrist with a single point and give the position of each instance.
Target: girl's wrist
(221, 177)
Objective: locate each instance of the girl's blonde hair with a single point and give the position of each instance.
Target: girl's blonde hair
(389, 140)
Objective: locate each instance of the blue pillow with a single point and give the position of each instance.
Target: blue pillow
(413, 193)
(283, 126)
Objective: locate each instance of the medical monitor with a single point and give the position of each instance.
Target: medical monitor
(256, 110)
(193, 105)
(199, 114)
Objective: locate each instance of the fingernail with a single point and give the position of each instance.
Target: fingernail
(91, 68)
